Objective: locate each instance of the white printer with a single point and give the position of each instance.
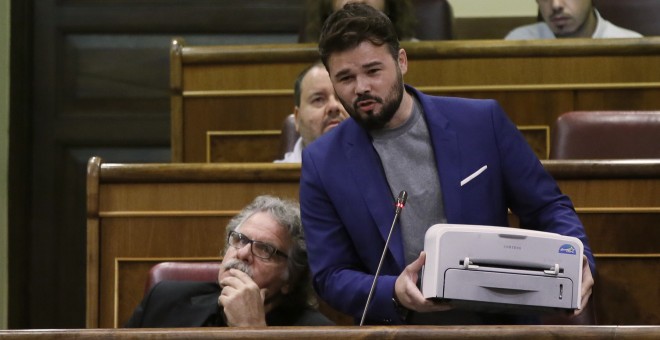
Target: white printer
(493, 268)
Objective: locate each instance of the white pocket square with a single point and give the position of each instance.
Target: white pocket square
(475, 174)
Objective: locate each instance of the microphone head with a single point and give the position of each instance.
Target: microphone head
(403, 197)
(401, 201)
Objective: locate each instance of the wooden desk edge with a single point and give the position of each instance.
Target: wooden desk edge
(379, 332)
(424, 50)
(196, 172)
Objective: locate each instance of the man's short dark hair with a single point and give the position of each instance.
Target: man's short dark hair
(354, 23)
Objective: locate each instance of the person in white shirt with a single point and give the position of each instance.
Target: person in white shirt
(316, 110)
(570, 19)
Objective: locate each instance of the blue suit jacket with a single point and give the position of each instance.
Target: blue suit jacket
(347, 207)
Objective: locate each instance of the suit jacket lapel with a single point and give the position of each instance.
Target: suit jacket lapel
(371, 182)
(447, 155)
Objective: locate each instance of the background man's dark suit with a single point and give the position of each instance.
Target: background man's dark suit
(195, 304)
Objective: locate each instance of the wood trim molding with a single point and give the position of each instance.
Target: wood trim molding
(437, 89)
(598, 169)
(176, 99)
(93, 242)
(237, 93)
(200, 172)
(431, 50)
(276, 172)
(182, 213)
(541, 87)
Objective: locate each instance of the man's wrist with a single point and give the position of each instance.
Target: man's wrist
(401, 310)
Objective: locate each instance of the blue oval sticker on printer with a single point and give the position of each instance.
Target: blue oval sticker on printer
(567, 249)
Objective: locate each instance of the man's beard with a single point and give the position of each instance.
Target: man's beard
(238, 264)
(372, 121)
(574, 32)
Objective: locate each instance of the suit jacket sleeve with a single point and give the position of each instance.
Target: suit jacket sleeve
(339, 273)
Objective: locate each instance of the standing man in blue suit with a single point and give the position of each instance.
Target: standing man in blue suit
(460, 160)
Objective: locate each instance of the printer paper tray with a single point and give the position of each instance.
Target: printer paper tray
(510, 289)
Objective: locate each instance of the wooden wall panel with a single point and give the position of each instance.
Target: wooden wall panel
(547, 69)
(248, 75)
(154, 198)
(238, 112)
(621, 193)
(618, 99)
(169, 210)
(604, 229)
(232, 113)
(243, 146)
(130, 278)
(524, 107)
(534, 81)
(150, 237)
(619, 299)
(621, 217)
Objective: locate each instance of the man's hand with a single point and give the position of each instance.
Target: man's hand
(407, 293)
(242, 299)
(587, 285)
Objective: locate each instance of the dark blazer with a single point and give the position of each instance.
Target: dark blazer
(347, 207)
(195, 304)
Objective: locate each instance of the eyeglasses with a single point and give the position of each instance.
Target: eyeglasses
(258, 248)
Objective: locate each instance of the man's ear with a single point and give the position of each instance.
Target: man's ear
(403, 61)
(295, 118)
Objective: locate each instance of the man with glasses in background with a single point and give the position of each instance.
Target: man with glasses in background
(263, 279)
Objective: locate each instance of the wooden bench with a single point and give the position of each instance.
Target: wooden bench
(141, 214)
(238, 88)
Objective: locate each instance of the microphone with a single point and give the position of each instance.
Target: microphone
(400, 203)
